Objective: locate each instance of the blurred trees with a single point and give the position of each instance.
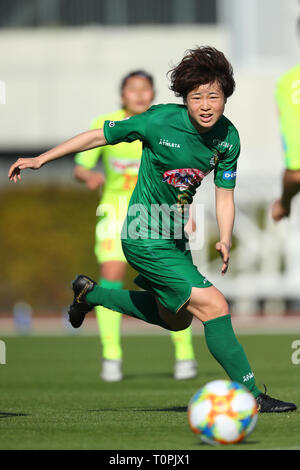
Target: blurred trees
(46, 238)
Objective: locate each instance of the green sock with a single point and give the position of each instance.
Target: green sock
(136, 304)
(223, 345)
(109, 325)
(182, 341)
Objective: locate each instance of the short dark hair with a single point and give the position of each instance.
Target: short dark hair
(200, 66)
(136, 73)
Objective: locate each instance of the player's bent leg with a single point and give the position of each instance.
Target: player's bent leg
(141, 305)
(224, 346)
(210, 306)
(206, 303)
(176, 321)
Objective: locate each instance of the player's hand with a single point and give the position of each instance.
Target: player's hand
(278, 211)
(224, 249)
(14, 173)
(95, 180)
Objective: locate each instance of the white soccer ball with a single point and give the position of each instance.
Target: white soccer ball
(222, 412)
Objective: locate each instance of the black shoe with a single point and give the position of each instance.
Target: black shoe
(267, 404)
(79, 308)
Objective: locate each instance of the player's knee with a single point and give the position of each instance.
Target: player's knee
(219, 307)
(216, 307)
(222, 307)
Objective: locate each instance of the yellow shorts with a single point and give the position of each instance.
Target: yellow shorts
(110, 214)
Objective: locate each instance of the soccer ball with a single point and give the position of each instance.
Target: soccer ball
(222, 412)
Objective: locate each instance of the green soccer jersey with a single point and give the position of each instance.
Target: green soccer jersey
(120, 162)
(175, 159)
(288, 101)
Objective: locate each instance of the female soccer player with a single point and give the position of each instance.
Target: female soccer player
(121, 163)
(181, 144)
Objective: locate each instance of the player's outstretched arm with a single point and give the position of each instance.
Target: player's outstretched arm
(84, 141)
(225, 212)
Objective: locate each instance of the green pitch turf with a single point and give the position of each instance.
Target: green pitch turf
(52, 397)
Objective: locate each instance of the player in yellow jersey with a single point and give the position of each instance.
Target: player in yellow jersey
(288, 101)
(121, 164)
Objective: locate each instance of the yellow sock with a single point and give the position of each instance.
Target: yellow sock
(183, 344)
(109, 326)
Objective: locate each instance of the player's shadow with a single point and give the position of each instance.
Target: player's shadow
(4, 414)
(176, 409)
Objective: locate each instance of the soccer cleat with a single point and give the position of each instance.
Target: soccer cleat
(267, 404)
(185, 369)
(79, 308)
(111, 370)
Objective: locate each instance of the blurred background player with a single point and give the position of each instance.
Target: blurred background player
(121, 163)
(288, 101)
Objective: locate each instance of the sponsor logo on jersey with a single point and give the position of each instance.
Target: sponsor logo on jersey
(222, 144)
(166, 143)
(229, 175)
(183, 178)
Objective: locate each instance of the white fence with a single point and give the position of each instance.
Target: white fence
(265, 259)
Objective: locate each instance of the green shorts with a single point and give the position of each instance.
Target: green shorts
(166, 268)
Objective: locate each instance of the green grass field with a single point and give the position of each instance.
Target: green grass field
(52, 396)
